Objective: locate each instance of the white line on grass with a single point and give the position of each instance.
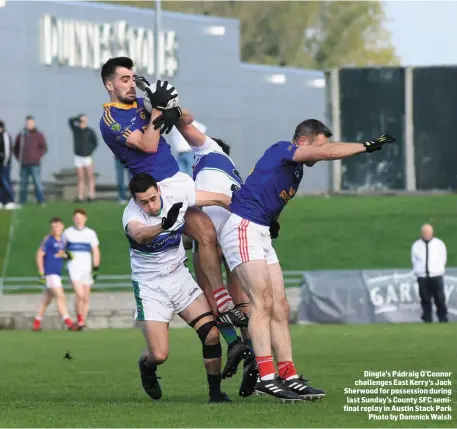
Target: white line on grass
(14, 220)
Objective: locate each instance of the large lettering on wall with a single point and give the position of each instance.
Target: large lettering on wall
(86, 44)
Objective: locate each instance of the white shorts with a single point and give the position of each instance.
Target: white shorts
(158, 299)
(244, 241)
(53, 281)
(83, 161)
(81, 275)
(181, 186)
(218, 216)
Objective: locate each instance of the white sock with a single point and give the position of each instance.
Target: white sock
(268, 377)
(292, 377)
(38, 318)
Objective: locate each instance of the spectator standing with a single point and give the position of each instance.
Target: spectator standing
(6, 152)
(181, 149)
(120, 177)
(29, 148)
(429, 257)
(84, 145)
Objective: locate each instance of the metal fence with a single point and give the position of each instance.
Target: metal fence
(107, 282)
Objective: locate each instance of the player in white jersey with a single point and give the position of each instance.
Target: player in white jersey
(82, 246)
(153, 222)
(215, 171)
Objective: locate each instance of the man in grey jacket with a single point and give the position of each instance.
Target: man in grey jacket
(85, 143)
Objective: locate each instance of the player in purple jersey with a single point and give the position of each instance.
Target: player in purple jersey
(50, 258)
(246, 243)
(134, 137)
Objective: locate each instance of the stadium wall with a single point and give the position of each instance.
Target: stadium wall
(52, 53)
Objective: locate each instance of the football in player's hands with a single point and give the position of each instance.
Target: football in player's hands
(172, 216)
(160, 95)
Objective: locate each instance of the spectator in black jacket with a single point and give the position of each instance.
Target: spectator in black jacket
(85, 142)
(6, 152)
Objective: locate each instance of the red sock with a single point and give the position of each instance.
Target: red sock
(286, 370)
(266, 367)
(80, 319)
(37, 324)
(223, 299)
(68, 322)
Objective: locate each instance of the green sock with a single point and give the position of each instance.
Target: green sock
(229, 334)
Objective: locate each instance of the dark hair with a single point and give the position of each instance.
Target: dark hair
(56, 219)
(2, 124)
(80, 211)
(28, 117)
(141, 183)
(109, 68)
(224, 146)
(311, 128)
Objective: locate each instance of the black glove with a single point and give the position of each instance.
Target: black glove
(377, 144)
(160, 98)
(172, 216)
(141, 82)
(167, 119)
(95, 273)
(69, 255)
(274, 229)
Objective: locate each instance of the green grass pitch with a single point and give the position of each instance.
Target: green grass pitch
(100, 387)
(316, 232)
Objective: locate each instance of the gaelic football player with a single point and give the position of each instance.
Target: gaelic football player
(153, 222)
(246, 244)
(50, 258)
(82, 245)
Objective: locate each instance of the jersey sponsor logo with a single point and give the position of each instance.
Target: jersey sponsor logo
(290, 147)
(287, 195)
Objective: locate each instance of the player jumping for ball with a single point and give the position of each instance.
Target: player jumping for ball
(154, 222)
(133, 135)
(247, 247)
(215, 171)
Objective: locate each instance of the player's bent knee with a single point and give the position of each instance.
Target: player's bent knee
(159, 356)
(209, 336)
(281, 309)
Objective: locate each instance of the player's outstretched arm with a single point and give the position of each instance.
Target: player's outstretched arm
(204, 199)
(142, 233)
(149, 140)
(192, 135)
(327, 152)
(331, 151)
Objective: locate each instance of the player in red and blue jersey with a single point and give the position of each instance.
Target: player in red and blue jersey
(246, 243)
(50, 259)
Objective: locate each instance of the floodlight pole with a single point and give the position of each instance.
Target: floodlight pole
(158, 30)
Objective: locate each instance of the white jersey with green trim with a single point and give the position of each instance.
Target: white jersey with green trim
(214, 171)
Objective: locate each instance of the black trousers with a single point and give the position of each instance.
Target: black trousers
(432, 287)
